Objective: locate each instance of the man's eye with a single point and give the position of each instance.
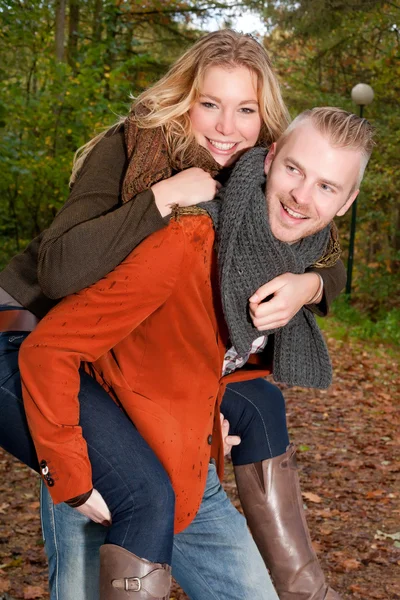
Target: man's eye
(326, 188)
(291, 169)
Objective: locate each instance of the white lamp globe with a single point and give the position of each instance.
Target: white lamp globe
(362, 94)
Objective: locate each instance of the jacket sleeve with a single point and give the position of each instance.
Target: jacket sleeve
(83, 327)
(334, 281)
(93, 229)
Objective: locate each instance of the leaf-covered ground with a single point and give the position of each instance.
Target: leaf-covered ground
(348, 440)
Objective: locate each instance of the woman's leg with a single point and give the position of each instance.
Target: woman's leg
(125, 471)
(268, 486)
(14, 433)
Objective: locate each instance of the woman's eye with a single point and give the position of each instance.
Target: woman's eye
(247, 111)
(208, 104)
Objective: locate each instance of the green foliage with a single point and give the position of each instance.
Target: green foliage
(322, 48)
(352, 321)
(50, 107)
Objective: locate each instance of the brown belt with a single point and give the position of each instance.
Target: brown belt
(17, 320)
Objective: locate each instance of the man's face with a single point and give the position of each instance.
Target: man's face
(309, 182)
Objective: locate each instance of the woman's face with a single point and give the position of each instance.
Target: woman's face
(226, 117)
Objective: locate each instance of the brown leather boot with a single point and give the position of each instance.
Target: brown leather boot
(122, 573)
(270, 495)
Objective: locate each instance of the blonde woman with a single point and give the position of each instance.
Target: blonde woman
(220, 99)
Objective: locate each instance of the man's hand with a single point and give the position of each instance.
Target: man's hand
(96, 509)
(290, 292)
(229, 440)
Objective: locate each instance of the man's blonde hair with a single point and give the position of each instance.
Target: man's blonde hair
(344, 130)
(170, 99)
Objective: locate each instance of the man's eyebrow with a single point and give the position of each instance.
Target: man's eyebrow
(251, 101)
(327, 181)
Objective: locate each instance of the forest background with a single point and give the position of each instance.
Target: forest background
(67, 68)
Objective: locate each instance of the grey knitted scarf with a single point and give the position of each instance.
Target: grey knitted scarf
(249, 256)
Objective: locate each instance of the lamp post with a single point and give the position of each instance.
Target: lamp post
(362, 94)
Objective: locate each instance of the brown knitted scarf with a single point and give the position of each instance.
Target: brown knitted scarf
(149, 162)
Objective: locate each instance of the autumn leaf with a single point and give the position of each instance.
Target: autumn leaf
(4, 586)
(351, 564)
(34, 591)
(312, 497)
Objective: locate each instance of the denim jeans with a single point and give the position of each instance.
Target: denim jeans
(141, 504)
(125, 470)
(214, 558)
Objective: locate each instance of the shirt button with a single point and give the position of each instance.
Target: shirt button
(209, 440)
(43, 464)
(50, 482)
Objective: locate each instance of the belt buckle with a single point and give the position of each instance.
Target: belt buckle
(136, 579)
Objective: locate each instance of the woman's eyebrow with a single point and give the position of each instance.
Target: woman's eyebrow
(251, 101)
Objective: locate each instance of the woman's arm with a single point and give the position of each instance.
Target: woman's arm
(334, 279)
(291, 292)
(84, 327)
(94, 232)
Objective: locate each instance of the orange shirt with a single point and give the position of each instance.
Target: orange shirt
(154, 331)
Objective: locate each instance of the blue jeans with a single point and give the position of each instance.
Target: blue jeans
(125, 470)
(141, 504)
(214, 558)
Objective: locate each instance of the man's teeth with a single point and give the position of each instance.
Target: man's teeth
(222, 145)
(294, 214)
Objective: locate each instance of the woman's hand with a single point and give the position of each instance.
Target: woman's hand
(290, 292)
(187, 188)
(229, 440)
(96, 509)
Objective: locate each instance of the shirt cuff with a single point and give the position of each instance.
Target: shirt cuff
(79, 500)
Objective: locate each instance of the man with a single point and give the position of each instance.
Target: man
(164, 296)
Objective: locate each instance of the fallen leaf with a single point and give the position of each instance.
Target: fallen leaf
(33, 591)
(4, 586)
(3, 507)
(381, 535)
(312, 497)
(351, 564)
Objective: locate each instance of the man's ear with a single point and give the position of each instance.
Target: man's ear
(346, 206)
(269, 158)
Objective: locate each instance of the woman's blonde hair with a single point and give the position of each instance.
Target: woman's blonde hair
(168, 101)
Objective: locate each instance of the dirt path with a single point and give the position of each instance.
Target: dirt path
(349, 456)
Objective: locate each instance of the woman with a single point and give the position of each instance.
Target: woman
(109, 233)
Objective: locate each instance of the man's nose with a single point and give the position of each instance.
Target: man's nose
(302, 193)
(226, 123)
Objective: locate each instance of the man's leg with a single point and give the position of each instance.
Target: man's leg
(136, 489)
(72, 544)
(215, 558)
(269, 489)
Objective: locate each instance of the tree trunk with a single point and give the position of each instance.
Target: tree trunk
(60, 28)
(73, 33)
(97, 23)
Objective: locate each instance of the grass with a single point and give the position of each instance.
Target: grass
(347, 321)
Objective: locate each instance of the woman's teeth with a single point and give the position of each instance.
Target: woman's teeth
(222, 145)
